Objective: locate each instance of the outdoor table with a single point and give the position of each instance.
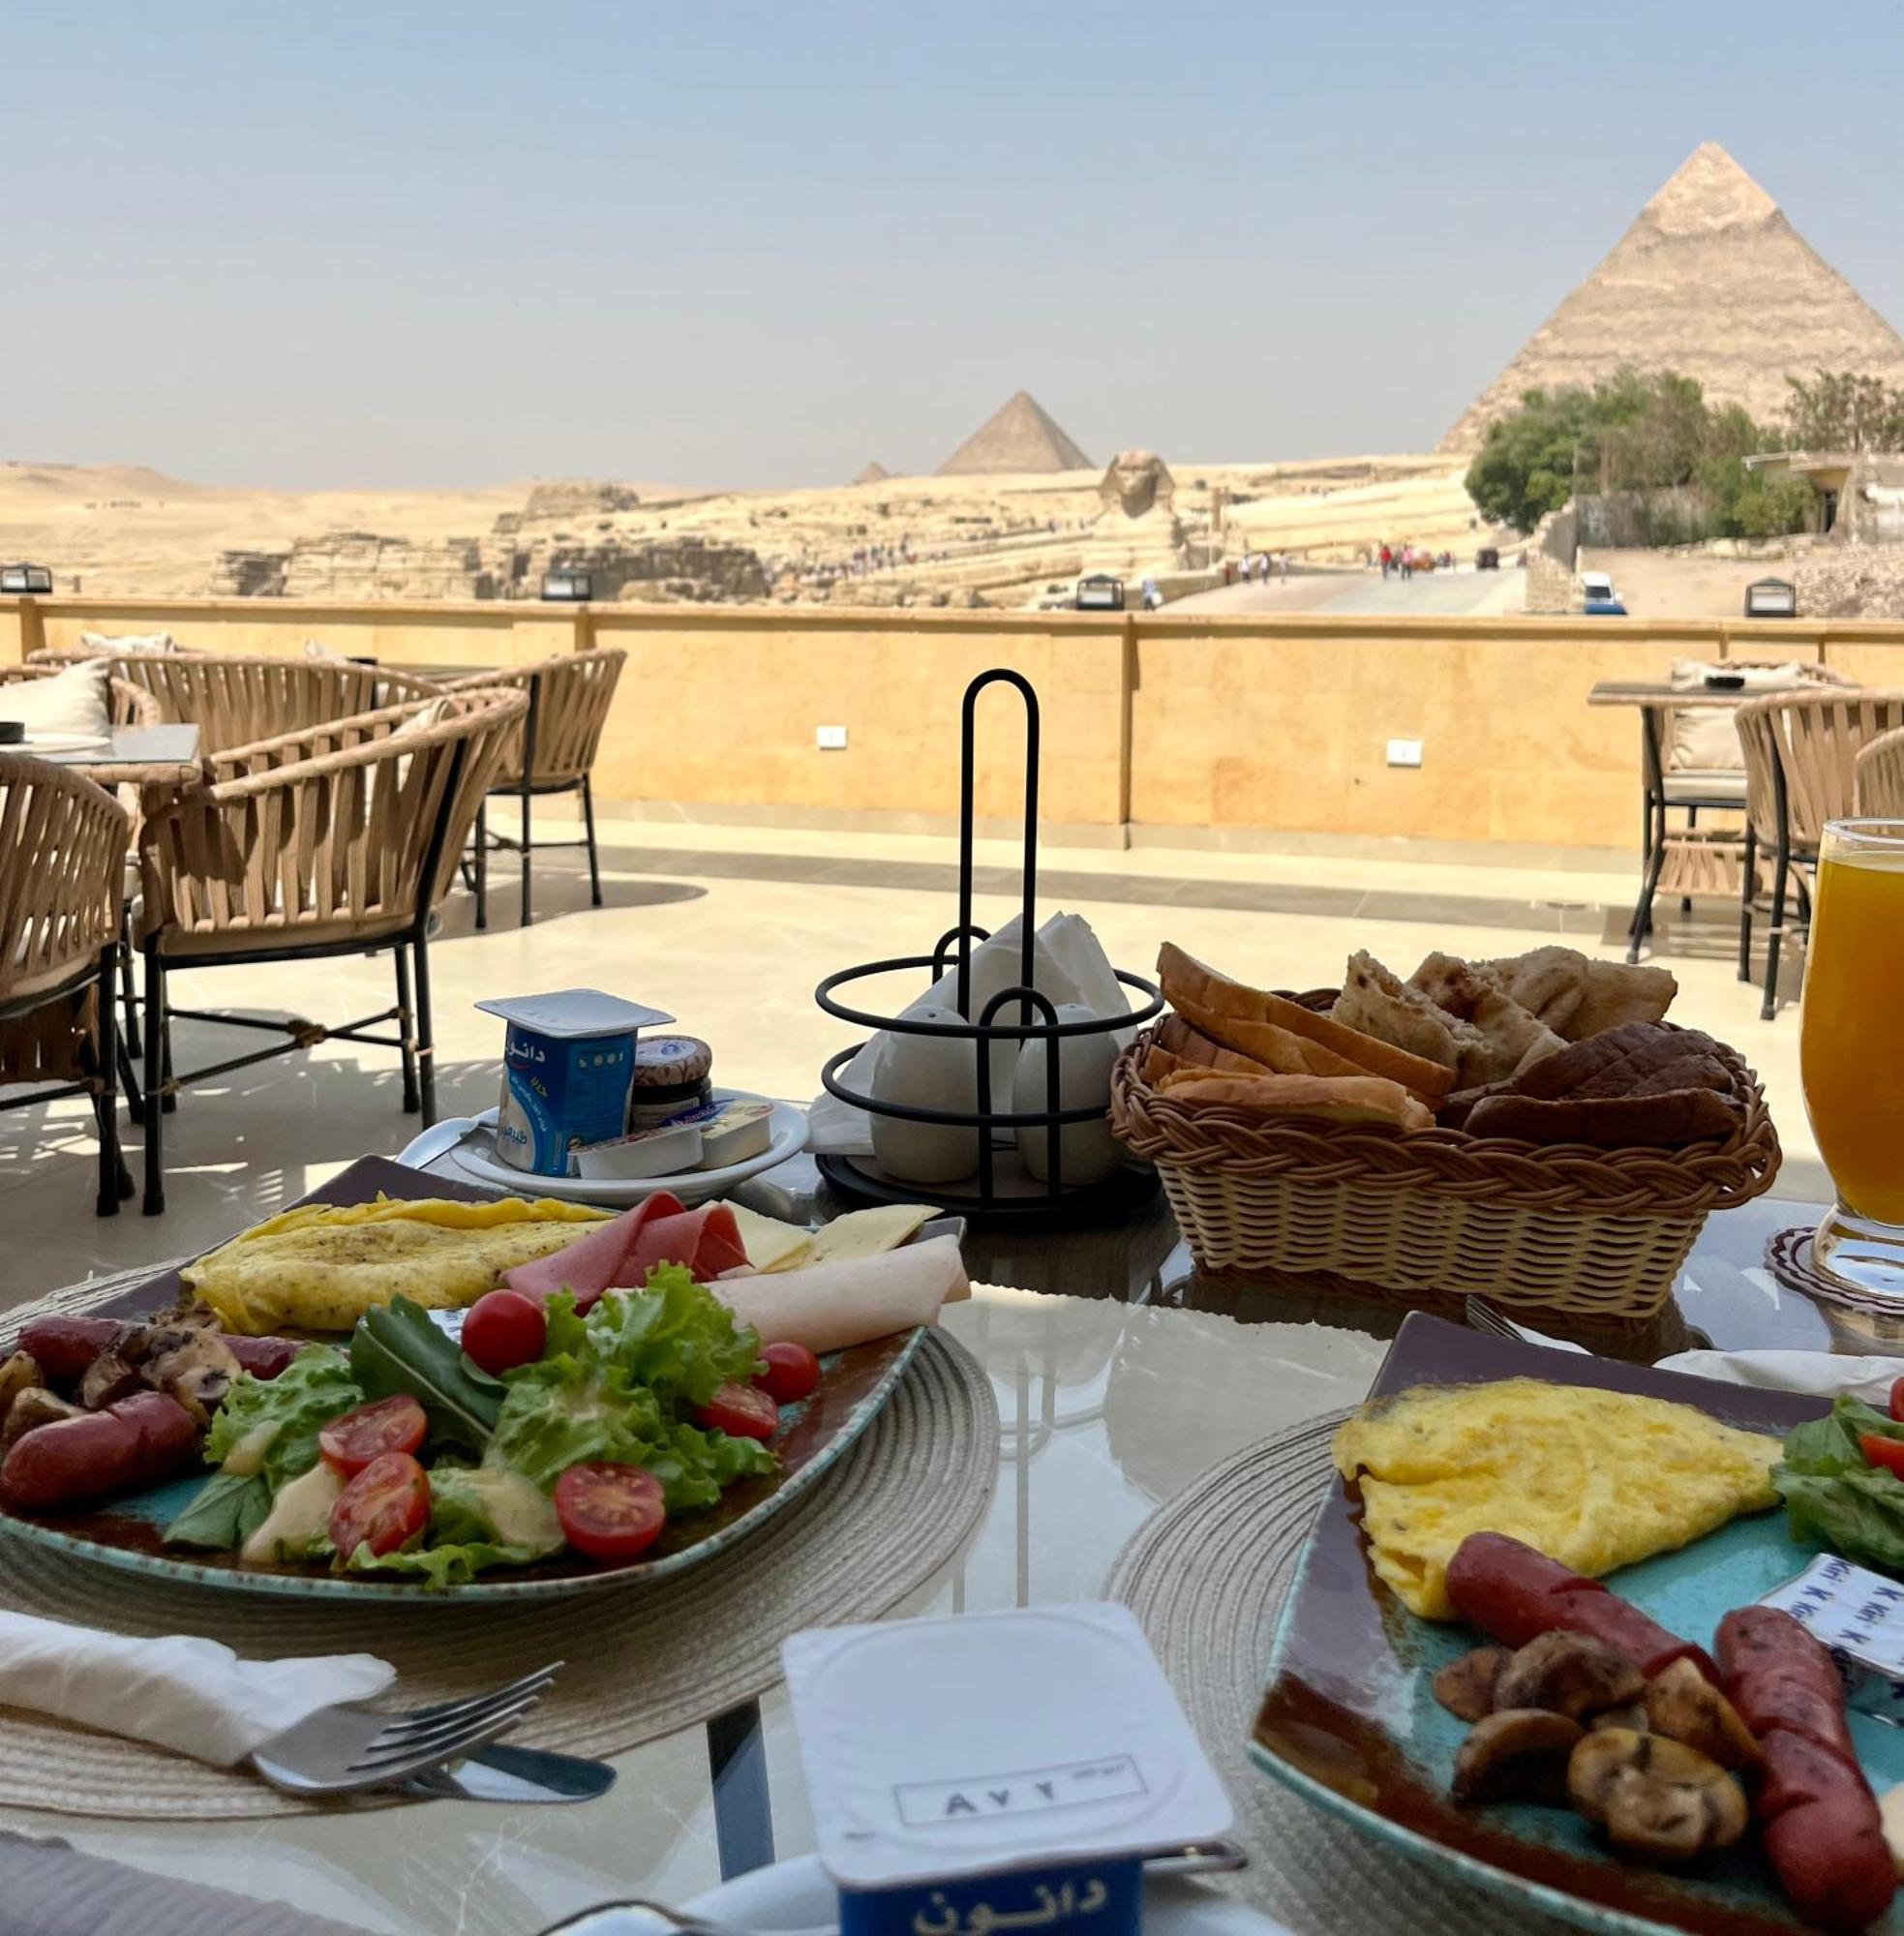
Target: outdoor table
(1119, 1380)
(142, 756)
(1711, 865)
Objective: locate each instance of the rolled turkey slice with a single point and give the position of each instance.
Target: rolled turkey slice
(828, 1306)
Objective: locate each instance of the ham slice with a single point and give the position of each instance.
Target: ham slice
(707, 1240)
(591, 1263)
(828, 1306)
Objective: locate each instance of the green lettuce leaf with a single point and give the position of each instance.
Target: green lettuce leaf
(619, 1385)
(314, 1388)
(440, 1566)
(397, 1349)
(223, 1513)
(1834, 1495)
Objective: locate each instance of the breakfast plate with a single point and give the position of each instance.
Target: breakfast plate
(474, 1152)
(1349, 1722)
(813, 1434)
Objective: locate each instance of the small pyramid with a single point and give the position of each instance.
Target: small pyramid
(875, 473)
(1712, 281)
(1020, 436)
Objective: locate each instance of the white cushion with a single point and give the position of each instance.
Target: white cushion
(128, 642)
(320, 654)
(1706, 738)
(424, 720)
(77, 700)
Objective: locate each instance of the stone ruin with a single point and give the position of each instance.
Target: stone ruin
(1138, 482)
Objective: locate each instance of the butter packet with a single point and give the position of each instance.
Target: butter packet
(1860, 1616)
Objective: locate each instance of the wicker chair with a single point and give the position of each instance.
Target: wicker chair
(131, 705)
(1876, 777)
(569, 700)
(238, 702)
(62, 866)
(1800, 760)
(339, 839)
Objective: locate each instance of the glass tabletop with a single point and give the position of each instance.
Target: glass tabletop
(1121, 1374)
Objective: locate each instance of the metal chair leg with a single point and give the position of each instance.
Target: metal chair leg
(426, 1056)
(482, 863)
(527, 916)
(406, 1023)
(1747, 892)
(595, 865)
(1774, 936)
(105, 1103)
(1643, 910)
(155, 1081)
(130, 1030)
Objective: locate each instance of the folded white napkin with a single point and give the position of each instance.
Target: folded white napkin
(1819, 1371)
(178, 1691)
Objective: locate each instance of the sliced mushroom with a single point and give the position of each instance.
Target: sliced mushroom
(20, 1373)
(35, 1407)
(1656, 1798)
(108, 1379)
(1516, 1754)
(196, 1368)
(1465, 1688)
(1570, 1675)
(1633, 1716)
(1683, 1704)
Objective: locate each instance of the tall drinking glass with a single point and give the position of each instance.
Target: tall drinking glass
(1851, 1051)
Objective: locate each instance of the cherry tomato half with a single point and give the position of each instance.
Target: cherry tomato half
(1883, 1452)
(742, 1411)
(384, 1506)
(1897, 1400)
(350, 1443)
(504, 1329)
(791, 1374)
(608, 1511)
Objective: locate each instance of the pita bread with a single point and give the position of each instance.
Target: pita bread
(1256, 1024)
(1511, 1038)
(1379, 1003)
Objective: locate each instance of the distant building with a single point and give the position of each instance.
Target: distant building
(1857, 495)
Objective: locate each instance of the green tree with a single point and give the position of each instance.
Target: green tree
(1838, 410)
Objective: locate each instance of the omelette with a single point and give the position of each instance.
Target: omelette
(320, 1267)
(1594, 1479)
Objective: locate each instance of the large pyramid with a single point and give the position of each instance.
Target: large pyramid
(1019, 436)
(1710, 281)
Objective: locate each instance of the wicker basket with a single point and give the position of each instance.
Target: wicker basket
(1592, 1234)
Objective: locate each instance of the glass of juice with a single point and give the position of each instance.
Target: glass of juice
(1851, 1052)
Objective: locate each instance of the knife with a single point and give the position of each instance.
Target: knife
(500, 1773)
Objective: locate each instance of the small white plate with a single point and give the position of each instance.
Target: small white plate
(477, 1154)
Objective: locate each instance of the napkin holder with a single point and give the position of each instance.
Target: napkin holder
(996, 1772)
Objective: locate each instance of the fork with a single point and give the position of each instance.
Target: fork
(349, 1747)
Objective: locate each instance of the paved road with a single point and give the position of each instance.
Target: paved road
(1443, 594)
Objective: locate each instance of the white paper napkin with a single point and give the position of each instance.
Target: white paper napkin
(1819, 1371)
(178, 1691)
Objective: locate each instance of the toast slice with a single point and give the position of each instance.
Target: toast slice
(1256, 1024)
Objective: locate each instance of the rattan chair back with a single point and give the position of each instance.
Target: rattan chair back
(62, 871)
(353, 828)
(1812, 740)
(128, 704)
(237, 702)
(1878, 778)
(573, 696)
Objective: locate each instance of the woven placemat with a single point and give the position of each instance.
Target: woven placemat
(1206, 1575)
(641, 1663)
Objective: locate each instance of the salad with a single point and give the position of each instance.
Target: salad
(545, 1429)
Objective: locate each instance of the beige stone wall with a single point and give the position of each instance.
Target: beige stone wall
(1249, 729)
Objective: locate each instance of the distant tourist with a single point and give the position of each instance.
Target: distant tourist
(1387, 561)
(1281, 565)
(1407, 561)
(1153, 597)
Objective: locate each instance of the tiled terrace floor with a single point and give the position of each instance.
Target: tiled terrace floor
(730, 928)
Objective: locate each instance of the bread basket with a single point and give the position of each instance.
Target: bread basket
(1427, 1216)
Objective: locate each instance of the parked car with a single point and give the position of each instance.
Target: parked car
(1602, 600)
(1487, 559)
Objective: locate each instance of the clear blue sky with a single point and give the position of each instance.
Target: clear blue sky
(421, 243)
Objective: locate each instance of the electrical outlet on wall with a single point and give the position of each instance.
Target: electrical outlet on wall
(830, 738)
(1404, 752)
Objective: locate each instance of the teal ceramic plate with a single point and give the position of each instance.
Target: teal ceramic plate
(1348, 1720)
(854, 1384)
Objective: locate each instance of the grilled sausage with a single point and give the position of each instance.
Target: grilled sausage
(1514, 1594)
(1823, 1832)
(66, 1346)
(139, 1441)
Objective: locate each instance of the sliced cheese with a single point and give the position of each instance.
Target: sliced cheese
(769, 1243)
(867, 1234)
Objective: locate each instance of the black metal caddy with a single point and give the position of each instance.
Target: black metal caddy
(1000, 1185)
